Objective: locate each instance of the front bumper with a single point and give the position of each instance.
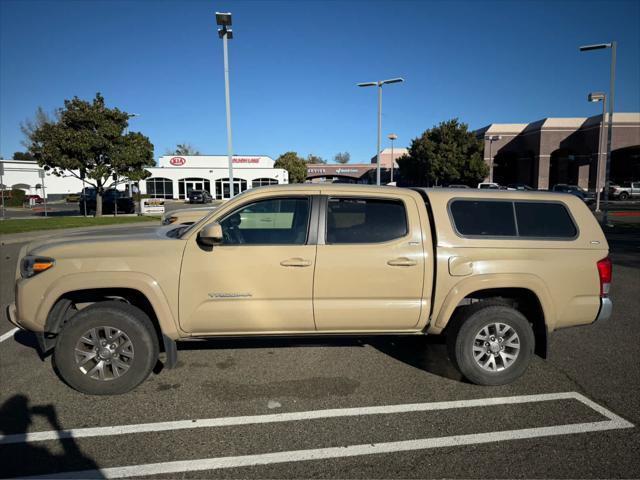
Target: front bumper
(12, 314)
(606, 308)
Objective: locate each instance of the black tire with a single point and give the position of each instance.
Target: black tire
(623, 196)
(461, 339)
(135, 325)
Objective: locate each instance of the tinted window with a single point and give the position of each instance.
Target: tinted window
(474, 217)
(351, 220)
(538, 219)
(277, 221)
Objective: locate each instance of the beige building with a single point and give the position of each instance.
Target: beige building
(561, 150)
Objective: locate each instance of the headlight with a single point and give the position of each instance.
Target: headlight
(169, 220)
(30, 265)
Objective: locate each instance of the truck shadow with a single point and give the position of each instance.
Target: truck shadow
(21, 458)
(426, 353)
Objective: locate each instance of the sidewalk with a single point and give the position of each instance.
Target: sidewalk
(29, 236)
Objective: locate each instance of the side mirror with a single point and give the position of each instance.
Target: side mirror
(211, 234)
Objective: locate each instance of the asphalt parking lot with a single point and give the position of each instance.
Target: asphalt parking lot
(326, 408)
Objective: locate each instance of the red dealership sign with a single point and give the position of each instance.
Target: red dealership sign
(177, 161)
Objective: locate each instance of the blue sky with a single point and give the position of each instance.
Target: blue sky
(294, 66)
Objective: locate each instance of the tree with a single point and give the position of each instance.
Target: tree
(185, 149)
(23, 156)
(87, 139)
(314, 159)
(448, 153)
(342, 157)
(293, 164)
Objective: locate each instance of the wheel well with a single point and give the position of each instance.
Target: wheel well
(79, 299)
(523, 300)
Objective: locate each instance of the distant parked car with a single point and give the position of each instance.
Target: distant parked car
(458, 186)
(579, 192)
(72, 198)
(110, 199)
(625, 190)
(36, 198)
(488, 185)
(519, 186)
(200, 196)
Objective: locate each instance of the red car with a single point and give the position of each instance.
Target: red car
(36, 198)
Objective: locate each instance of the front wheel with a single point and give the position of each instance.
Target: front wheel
(107, 348)
(491, 344)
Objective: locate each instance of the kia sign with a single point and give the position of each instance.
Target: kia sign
(177, 161)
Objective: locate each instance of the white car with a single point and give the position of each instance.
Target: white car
(489, 185)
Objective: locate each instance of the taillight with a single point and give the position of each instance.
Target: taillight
(605, 271)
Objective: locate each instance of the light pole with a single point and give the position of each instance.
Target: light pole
(392, 137)
(491, 138)
(129, 184)
(379, 84)
(612, 84)
(599, 97)
(225, 33)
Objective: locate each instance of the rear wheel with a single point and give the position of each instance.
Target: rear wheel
(491, 344)
(107, 348)
(623, 196)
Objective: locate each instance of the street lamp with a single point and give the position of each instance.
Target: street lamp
(612, 81)
(491, 138)
(379, 84)
(599, 97)
(225, 33)
(392, 137)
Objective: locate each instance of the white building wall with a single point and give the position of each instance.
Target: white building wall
(211, 168)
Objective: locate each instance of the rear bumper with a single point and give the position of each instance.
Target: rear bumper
(606, 308)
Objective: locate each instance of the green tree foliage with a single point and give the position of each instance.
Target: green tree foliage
(315, 160)
(342, 157)
(184, 149)
(293, 164)
(448, 153)
(88, 139)
(24, 156)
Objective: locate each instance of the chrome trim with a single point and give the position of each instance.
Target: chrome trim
(606, 307)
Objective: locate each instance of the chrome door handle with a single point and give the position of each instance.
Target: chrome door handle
(295, 262)
(402, 262)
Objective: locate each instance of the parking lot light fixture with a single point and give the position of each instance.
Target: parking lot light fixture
(599, 97)
(225, 33)
(379, 84)
(612, 85)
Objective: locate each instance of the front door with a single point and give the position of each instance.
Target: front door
(370, 265)
(260, 279)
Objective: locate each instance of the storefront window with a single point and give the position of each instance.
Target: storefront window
(160, 187)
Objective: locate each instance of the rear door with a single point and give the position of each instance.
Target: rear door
(370, 264)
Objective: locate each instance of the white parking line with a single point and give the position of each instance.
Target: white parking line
(613, 422)
(290, 417)
(8, 335)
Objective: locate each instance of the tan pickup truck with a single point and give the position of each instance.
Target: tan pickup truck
(496, 271)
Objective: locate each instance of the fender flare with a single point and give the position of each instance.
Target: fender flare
(141, 282)
(492, 281)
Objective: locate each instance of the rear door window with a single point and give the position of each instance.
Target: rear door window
(365, 220)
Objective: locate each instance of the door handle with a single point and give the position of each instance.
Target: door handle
(402, 262)
(295, 262)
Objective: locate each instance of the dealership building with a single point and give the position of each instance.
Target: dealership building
(562, 150)
(356, 172)
(173, 178)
